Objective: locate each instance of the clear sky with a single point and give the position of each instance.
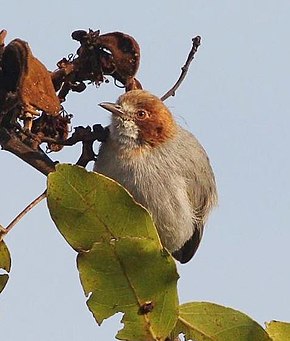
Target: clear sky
(235, 99)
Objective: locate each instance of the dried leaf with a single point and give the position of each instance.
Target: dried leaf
(26, 75)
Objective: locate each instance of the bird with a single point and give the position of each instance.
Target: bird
(163, 166)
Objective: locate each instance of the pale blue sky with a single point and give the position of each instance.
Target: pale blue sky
(235, 99)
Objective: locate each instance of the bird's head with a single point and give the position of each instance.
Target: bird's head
(140, 118)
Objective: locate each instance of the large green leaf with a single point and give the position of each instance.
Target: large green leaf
(279, 331)
(5, 264)
(122, 265)
(202, 321)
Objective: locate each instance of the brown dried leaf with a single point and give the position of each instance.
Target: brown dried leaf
(126, 55)
(24, 73)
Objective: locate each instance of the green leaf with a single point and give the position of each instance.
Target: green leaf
(122, 265)
(3, 281)
(5, 264)
(279, 331)
(202, 321)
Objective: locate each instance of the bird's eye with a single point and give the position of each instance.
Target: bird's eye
(141, 114)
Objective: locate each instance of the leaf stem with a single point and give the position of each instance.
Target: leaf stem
(35, 202)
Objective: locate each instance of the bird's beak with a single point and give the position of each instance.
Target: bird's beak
(114, 108)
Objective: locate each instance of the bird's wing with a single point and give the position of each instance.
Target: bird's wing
(187, 251)
(202, 201)
(201, 191)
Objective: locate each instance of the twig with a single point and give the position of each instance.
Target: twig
(184, 69)
(98, 133)
(22, 214)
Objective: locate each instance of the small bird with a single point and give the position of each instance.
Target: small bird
(163, 166)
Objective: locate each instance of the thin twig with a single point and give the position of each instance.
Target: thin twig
(184, 69)
(24, 212)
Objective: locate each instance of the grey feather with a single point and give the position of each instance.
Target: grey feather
(174, 181)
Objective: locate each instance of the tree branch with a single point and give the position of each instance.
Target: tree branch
(34, 157)
(184, 69)
(40, 160)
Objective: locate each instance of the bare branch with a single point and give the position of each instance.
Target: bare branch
(184, 69)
